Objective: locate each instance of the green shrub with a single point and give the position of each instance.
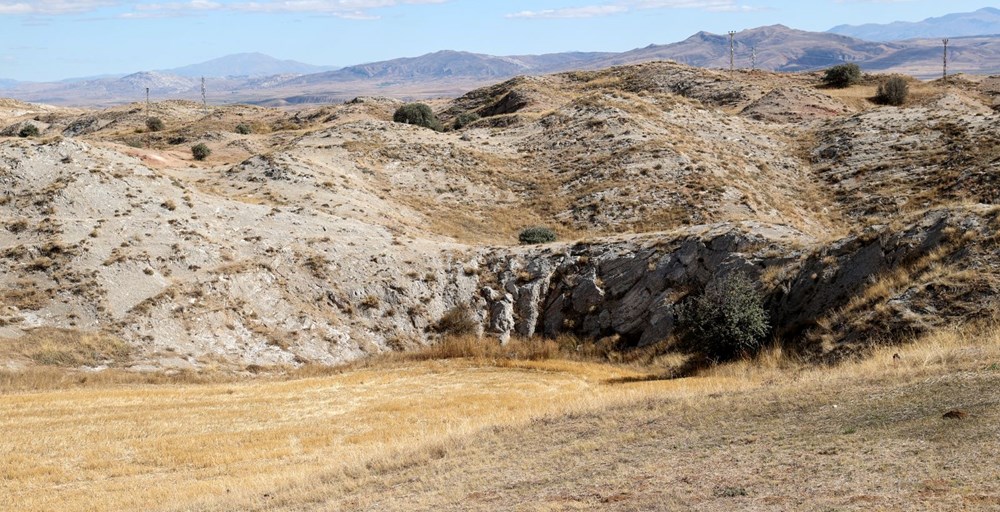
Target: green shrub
(244, 129)
(154, 124)
(465, 119)
(726, 321)
(418, 114)
(200, 151)
(537, 235)
(893, 91)
(843, 75)
(28, 130)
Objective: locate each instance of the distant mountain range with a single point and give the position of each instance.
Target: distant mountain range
(257, 78)
(246, 64)
(985, 21)
(447, 63)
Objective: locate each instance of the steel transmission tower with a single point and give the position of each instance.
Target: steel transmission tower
(147, 118)
(944, 73)
(732, 51)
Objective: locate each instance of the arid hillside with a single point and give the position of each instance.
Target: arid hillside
(327, 234)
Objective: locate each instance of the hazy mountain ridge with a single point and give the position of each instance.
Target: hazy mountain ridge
(254, 65)
(450, 73)
(985, 21)
(449, 63)
(778, 48)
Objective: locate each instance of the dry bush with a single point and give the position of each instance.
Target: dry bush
(69, 348)
(47, 378)
(24, 294)
(893, 91)
(17, 226)
(28, 130)
(473, 347)
(458, 321)
(154, 124)
(200, 151)
(536, 235)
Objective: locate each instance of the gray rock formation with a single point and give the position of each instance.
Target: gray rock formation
(629, 288)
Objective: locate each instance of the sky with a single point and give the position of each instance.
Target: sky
(43, 40)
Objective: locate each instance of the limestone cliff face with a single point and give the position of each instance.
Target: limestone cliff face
(627, 287)
(630, 287)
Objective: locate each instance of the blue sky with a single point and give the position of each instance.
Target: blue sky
(55, 39)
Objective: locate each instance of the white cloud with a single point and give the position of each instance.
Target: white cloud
(354, 9)
(349, 9)
(736, 8)
(680, 4)
(193, 5)
(52, 6)
(589, 11)
(621, 6)
(325, 6)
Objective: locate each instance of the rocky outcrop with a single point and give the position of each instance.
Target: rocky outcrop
(630, 287)
(794, 105)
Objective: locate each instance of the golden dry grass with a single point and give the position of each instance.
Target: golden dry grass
(65, 347)
(138, 447)
(771, 434)
(332, 442)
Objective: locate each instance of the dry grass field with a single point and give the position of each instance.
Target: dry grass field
(493, 433)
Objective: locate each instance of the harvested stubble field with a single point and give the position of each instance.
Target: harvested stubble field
(492, 433)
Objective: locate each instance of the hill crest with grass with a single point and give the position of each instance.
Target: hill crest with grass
(328, 234)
